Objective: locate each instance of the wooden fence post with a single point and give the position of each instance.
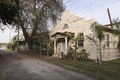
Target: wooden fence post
(40, 49)
(73, 58)
(35, 48)
(48, 48)
(58, 56)
(98, 66)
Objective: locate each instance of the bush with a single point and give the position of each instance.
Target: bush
(70, 53)
(51, 48)
(83, 54)
(11, 46)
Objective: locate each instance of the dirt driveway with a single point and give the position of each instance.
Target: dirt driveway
(19, 67)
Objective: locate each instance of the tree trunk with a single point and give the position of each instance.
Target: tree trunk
(26, 36)
(29, 45)
(100, 54)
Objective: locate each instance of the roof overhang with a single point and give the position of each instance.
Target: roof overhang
(107, 29)
(69, 34)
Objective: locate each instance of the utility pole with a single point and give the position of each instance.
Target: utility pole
(18, 29)
(18, 39)
(9, 35)
(110, 18)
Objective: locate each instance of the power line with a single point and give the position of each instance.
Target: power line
(72, 3)
(86, 6)
(67, 2)
(83, 8)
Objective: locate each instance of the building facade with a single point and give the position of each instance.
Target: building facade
(69, 26)
(3, 45)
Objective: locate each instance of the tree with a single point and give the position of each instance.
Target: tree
(99, 34)
(75, 39)
(35, 16)
(8, 11)
(13, 44)
(74, 50)
(51, 47)
(116, 31)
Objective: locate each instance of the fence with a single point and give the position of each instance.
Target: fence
(108, 67)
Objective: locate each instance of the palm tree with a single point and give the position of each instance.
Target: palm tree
(75, 39)
(99, 34)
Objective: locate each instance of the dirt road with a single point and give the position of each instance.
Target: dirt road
(20, 67)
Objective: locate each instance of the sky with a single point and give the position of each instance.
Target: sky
(94, 9)
(6, 34)
(84, 8)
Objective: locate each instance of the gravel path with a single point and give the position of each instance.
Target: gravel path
(20, 67)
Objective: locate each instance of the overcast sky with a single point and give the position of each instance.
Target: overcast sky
(84, 8)
(94, 9)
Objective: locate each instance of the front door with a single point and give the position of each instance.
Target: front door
(63, 46)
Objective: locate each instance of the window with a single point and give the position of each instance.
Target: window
(81, 40)
(65, 26)
(108, 40)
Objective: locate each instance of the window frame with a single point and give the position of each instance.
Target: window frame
(108, 40)
(81, 41)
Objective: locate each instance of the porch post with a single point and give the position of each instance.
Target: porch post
(66, 45)
(54, 45)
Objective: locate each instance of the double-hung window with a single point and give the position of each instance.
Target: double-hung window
(108, 40)
(81, 40)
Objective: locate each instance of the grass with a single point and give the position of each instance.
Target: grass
(116, 61)
(1, 76)
(90, 68)
(11, 50)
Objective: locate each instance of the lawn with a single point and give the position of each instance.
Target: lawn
(1, 75)
(110, 70)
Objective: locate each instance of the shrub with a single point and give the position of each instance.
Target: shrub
(51, 47)
(70, 53)
(11, 46)
(83, 54)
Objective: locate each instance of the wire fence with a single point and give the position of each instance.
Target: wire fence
(110, 67)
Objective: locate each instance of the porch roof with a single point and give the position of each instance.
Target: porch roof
(63, 34)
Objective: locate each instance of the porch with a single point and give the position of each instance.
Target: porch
(61, 42)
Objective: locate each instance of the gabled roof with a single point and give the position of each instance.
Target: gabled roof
(64, 34)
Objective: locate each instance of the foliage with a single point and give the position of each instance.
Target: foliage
(117, 31)
(51, 47)
(98, 29)
(75, 39)
(13, 43)
(83, 54)
(99, 34)
(73, 51)
(70, 53)
(8, 10)
(35, 16)
(80, 55)
(11, 46)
